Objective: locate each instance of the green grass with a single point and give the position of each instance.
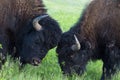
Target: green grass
(66, 12)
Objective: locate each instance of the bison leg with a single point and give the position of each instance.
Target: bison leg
(108, 71)
(2, 57)
(111, 61)
(4, 44)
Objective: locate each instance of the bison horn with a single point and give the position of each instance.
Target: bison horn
(36, 24)
(77, 45)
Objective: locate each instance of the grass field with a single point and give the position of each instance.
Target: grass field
(66, 12)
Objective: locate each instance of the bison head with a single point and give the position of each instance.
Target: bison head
(73, 53)
(43, 35)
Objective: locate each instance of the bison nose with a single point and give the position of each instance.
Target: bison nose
(35, 61)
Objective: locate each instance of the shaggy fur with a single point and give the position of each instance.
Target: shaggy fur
(17, 32)
(98, 32)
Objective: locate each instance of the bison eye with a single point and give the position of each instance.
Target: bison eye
(37, 42)
(72, 56)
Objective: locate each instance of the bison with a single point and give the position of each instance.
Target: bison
(96, 36)
(26, 30)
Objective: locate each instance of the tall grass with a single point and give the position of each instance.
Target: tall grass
(66, 12)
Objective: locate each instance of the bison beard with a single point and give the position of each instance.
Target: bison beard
(26, 27)
(98, 33)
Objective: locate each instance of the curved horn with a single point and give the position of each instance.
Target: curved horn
(77, 45)
(36, 24)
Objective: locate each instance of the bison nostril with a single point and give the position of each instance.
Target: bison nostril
(35, 61)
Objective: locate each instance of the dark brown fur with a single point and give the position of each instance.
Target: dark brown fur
(15, 13)
(102, 19)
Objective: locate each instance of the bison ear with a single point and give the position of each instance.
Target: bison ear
(36, 24)
(76, 46)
